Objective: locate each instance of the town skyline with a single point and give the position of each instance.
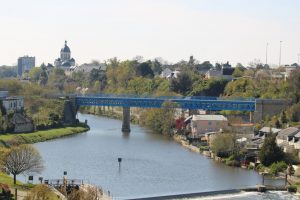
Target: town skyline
(234, 31)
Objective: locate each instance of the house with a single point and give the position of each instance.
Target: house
(225, 73)
(21, 123)
(165, 73)
(285, 138)
(213, 73)
(266, 131)
(201, 124)
(10, 104)
(88, 67)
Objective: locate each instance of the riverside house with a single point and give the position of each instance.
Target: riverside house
(201, 124)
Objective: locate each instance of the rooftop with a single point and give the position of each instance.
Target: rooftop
(209, 117)
(269, 129)
(288, 132)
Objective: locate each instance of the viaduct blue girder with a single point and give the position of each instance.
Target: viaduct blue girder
(205, 103)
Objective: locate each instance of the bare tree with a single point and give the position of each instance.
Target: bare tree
(23, 159)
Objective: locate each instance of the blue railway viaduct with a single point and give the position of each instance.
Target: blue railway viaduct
(258, 108)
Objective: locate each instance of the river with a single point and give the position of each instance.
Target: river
(152, 164)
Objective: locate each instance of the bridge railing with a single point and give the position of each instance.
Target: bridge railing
(167, 97)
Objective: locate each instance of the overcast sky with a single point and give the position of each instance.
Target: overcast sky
(215, 30)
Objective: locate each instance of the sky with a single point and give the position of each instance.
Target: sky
(214, 30)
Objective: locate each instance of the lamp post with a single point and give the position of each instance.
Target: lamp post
(280, 53)
(267, 53)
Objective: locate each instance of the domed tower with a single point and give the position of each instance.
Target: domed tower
(65, 53)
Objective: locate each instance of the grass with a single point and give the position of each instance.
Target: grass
(6, 179)
(39, 136)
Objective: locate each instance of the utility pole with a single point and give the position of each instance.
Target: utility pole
(280, 54)
(267, 53)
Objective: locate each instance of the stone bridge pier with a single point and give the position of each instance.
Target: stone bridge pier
(268, 107)
(126, 120)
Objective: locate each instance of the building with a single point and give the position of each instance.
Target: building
(285, 138)
(65, 61)
(88, 67)
(25, 64)
(166, 73)
(225, 73)
(266, 131)
(21, 123)
(201, 124)
(10, 104)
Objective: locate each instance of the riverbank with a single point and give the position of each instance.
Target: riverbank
(7, 140)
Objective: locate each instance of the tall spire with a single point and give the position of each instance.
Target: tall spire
(65, 42)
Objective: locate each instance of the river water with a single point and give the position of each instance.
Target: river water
(152, 165)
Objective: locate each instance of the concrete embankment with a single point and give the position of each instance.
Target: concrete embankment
(185, 144)
(192, 195)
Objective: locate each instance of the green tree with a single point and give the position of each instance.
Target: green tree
(160, 120)
(35, 73)
(270, 152)
(144, 70)
(156, 67)
(57, 79)
(182, 84)
(238, 72)
(283, 118)
(293, 113)
(223, 144)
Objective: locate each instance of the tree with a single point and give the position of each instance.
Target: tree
(283, 118)
(206, 65)
(294, 113)
(35, 73)
(160, 120)
(238, 72)
(144, 69)
(57, 78)
(156, 67)
(223, 144)
(270, 152)
(182, 84)
(23, 159)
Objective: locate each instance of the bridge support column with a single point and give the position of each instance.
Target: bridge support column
(126, 120)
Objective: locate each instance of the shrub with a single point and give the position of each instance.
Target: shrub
(250, 167)
(204, 148)
(260, 168)
(233, 163)
(292, 188)
(277, 167)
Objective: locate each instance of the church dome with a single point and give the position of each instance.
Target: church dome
(66, 49)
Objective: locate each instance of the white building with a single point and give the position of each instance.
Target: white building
(87, 68)
(166, 73)
(12, 104)
(201, 124)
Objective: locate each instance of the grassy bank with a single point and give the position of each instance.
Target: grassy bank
(39, 136)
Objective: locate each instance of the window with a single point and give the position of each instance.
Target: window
(209, 123)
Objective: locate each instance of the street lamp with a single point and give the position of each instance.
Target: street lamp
(267, 53)
(280, 54)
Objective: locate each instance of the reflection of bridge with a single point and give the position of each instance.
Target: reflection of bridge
(258, 106)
